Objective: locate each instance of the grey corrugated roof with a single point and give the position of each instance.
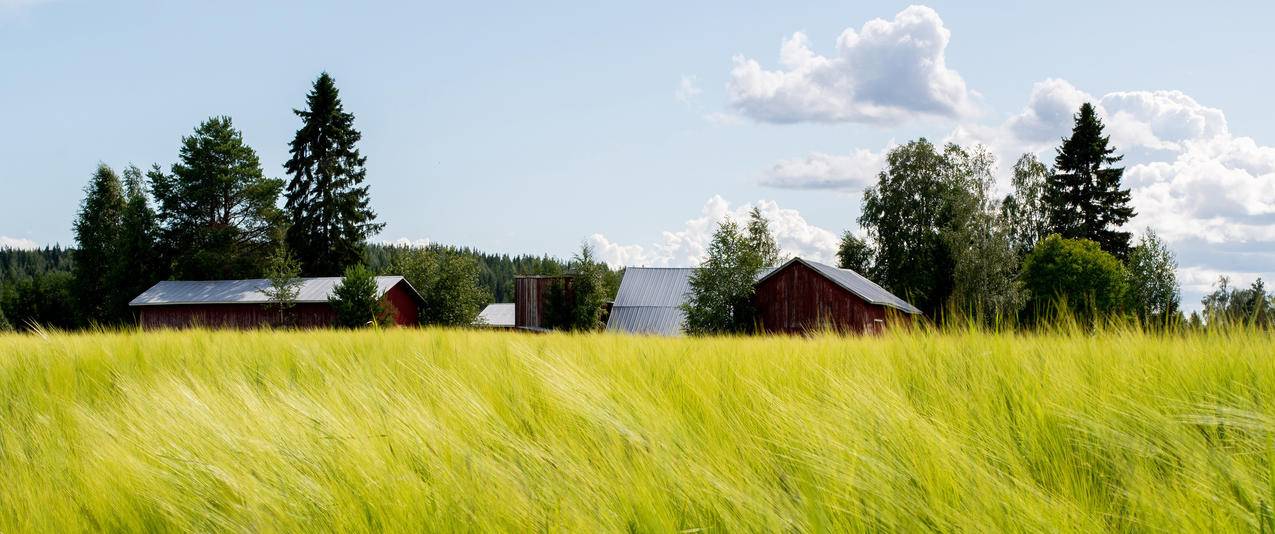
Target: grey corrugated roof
(659, 320)
(649, 301)
(654, 286)
(499, 314)
(854, 283)
(171, 292)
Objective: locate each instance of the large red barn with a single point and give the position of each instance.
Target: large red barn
(803, 296)
(244, 304)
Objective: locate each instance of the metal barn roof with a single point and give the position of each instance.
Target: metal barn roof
(648, 301)
(854, 283)
(171, 292)
(499, 314)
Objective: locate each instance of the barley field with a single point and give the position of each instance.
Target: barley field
(452, 430)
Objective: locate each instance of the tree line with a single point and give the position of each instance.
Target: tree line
(215, 215)
(936, 236)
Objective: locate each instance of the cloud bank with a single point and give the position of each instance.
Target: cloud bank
(685, 247)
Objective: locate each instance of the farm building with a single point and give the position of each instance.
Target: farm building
(244, 304)
(802, 295)
(531, 294)
(798, 296)
(498, 315)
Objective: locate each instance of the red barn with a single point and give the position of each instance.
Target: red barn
(243, 303)
(801, 296)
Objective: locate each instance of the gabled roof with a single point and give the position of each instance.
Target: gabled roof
(172, 292)
(852, 282)
(499, 314)
(649, 300)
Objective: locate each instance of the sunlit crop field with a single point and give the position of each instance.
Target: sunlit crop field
(457, 430)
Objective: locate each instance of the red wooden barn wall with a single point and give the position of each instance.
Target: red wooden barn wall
(530, 294)
(798, 300)
(304, 315)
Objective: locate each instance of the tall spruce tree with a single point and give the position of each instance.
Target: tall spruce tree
(135, 268)
(1083, 196)
(216, 210)
(96, 226)
(327, 205)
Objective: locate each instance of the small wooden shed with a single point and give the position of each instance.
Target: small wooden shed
(531, 294)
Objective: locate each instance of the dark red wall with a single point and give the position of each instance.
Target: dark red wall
(404, 304)
(530, 294)
(798, 300)
(305, 315)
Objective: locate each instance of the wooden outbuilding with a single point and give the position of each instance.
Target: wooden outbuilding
(799, 296)
(804, 296)
(531, 296)
(244, 304)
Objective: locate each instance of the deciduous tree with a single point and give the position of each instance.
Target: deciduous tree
(1153, 293)
(855, 254)
(1076, 273)
(916, 198)
(1024, 211)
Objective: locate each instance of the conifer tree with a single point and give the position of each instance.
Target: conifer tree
(216, 210)
(1083, 196)
(327, 203)
(135, 268)
(96, 226)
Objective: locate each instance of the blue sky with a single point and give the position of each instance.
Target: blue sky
(533, 127)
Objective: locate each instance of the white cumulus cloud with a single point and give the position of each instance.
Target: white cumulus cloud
(849, 172)
(686, 246)
(885, 72)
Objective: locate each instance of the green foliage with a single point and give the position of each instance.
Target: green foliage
(1024, 211)
(327, 203)
(449, 430)
(855, 254)
(575, 303)
(283, 272)
(761, 241)
(97, 227)
(496, 271)
(1153, 293)
(4, 322)
(356, 301)
(916, 198)
(46, 299)
(447, 280)
(1074, 273)
(28, 278)
(216, 209)
(721, 290)
(1229, 306)
(137, 266)
(984, 260)
(1084, 196)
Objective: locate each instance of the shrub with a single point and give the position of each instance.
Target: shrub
(356, 301)
(1075, 274)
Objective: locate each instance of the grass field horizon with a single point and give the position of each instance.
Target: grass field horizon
(476, 430)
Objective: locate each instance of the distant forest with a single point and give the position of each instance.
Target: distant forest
(35, 285)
